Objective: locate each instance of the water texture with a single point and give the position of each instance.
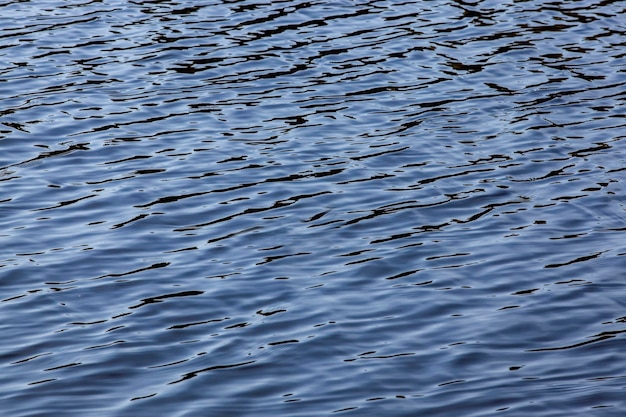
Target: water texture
(308, 208)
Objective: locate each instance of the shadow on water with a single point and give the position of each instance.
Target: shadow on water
(310, 208)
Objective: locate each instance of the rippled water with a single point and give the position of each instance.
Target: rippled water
(300, 208)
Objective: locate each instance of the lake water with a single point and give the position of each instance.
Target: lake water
(307, 208)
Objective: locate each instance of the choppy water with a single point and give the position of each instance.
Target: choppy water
(300, 208)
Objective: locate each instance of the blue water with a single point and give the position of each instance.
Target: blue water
(367, 208)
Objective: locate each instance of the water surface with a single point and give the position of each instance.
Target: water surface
(248, 208)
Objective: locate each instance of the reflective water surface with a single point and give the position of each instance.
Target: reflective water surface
(305, 208)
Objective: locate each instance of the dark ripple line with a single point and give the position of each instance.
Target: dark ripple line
(159, 298)
(47, 28)
(42, 381)
(134, 271)
(31, 358)
(292, 177)
(197, 323)
(278, 204)
(66, 203)
(573, 261)
(576, 345)
(194, 374)
(60, 152)
(269, 259)
(63, 366)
